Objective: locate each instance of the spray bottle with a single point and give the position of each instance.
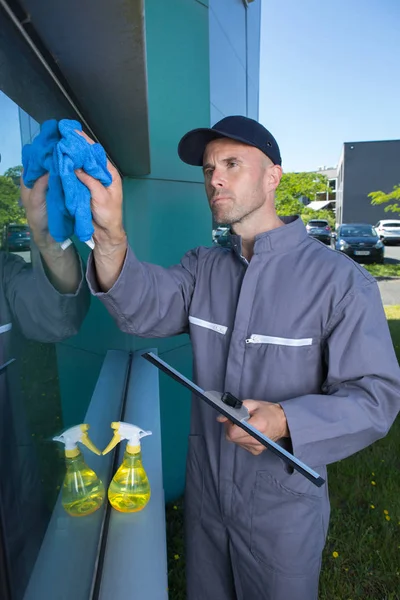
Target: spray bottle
(129, 490)
(82, 491)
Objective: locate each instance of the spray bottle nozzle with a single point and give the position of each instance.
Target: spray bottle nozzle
(72, 436)
(126, 431)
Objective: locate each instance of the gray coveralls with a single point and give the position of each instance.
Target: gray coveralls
(31, 307)
(299, 324)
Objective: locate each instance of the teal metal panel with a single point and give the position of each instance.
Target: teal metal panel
(78, 372)
(175, 403)
(165, 219)
(178, 81)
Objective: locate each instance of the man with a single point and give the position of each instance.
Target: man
(47, 302)
(278, 319)
(49, 299)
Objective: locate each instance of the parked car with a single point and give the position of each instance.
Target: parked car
(223, 237)
(319, 229)
(218, 232)
(389, 231)
(360, 241)
(16, 237)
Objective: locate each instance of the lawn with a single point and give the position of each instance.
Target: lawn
(386, 270)
(362, 555)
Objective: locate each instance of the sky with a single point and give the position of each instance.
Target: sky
(10, 141)
(329, 74)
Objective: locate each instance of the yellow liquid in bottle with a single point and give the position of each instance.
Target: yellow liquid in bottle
(129, 490)
(83, 492)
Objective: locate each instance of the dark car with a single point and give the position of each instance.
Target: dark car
(16, 237)
(218, 232)
(360, 241)
(319, 229)
(223, 238)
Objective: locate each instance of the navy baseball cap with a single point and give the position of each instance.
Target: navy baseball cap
(242, 129)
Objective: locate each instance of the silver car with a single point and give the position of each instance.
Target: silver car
(389, 231)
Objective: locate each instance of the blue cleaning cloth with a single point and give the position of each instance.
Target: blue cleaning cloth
(38, 159)
(60, 150)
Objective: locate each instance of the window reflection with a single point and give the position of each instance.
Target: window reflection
(43, 300)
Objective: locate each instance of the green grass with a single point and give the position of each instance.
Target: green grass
(386, 270)
(176, 551)
(368, 544)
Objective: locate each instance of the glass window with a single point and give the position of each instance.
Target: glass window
(318, 223)
(391, 224)
(357, 231)
(46, 378)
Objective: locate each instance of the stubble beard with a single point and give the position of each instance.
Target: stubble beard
(233, 214)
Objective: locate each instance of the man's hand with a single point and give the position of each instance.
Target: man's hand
(106, 204)
(110, 238)
(267, 417)
(34, 202)
(62, 267)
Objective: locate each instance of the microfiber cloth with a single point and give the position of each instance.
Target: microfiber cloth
(60, 150)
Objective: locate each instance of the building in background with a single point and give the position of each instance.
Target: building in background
(366, 167)
(326, 200)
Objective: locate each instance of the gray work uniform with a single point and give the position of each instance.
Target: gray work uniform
(30, 307)
(302, 325)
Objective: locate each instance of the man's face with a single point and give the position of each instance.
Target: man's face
(236, 181)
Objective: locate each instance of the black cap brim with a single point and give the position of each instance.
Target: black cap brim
(192, 146)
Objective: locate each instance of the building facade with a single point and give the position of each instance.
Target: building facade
(366, 167)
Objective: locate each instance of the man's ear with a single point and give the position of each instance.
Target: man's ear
(275, 173)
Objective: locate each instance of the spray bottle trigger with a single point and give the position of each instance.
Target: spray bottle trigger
(86, 441)
(115, 440)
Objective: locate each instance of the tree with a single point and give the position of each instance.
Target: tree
(295, 185)
(14, 173)
(10, 210)
(380, 197)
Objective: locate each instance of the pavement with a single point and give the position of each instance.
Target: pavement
(390, 286)
(25, 255)
(392, 254)
(390, 290)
